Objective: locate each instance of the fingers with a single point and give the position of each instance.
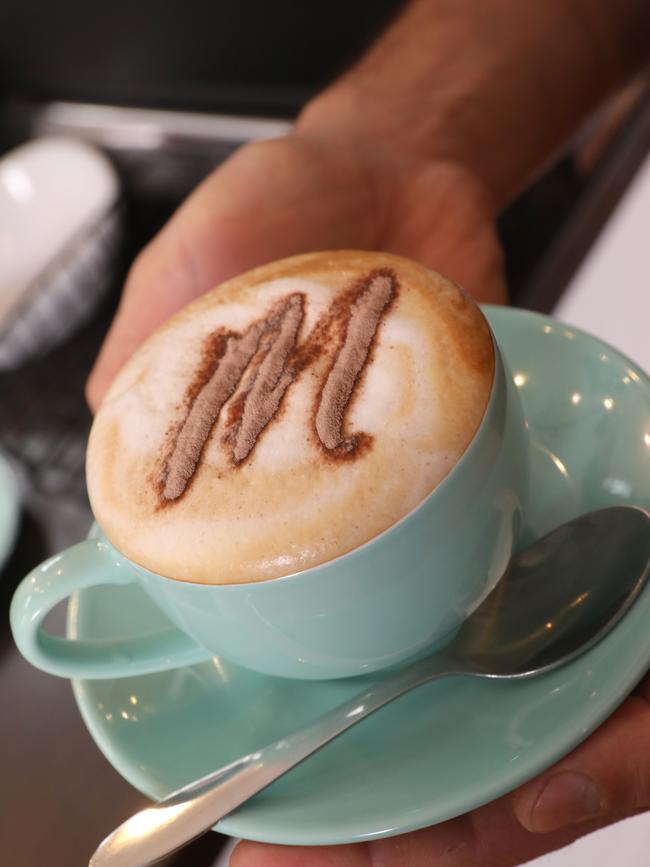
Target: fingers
(604, 779)
(260, 855)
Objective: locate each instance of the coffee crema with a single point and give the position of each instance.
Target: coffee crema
(288, 416)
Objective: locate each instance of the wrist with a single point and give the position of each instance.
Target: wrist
(376, 129)
(495, 87)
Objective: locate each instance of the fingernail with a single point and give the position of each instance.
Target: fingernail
(566, 799)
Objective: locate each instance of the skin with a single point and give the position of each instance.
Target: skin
(298, 194)
(412, 151)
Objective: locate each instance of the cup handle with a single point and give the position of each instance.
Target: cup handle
(88, 564)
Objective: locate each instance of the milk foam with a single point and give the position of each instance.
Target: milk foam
(293, 501)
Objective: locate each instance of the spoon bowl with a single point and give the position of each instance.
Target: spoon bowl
(556, 599)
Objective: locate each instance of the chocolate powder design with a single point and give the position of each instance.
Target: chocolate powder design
(270, 382)
(274, 341)
(366, 313)
(204, 411)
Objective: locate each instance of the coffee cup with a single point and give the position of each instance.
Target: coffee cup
(317, 470)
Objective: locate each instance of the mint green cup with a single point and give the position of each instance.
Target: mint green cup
(390, 599)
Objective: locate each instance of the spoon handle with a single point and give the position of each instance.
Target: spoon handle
(157, 831)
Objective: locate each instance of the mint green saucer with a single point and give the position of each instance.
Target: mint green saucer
(449, 746)
(9, 510)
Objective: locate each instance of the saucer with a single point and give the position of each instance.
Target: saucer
(449, 746)
(9, 510)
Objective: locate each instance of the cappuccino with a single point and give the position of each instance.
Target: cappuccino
(288, 416)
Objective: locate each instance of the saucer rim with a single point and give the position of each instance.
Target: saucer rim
(634, 670)
(501, 310)
(10, 510)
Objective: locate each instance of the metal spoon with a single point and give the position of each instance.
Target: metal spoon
(556, 600)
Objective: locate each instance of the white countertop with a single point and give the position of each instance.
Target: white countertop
(610, 294)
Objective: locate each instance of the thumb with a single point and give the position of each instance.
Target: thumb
(163, 278)
(605, 779)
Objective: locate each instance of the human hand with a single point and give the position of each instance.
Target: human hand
(301, 193)
(604, 780)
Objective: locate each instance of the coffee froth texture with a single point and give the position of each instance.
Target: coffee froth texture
(288, 416)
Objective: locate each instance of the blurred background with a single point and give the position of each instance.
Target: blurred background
(151, 97)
